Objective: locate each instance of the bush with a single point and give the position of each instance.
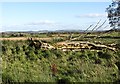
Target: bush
(104, 55)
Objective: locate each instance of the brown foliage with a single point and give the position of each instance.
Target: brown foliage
(54, 69)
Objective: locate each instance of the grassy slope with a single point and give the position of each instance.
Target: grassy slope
(23, 63)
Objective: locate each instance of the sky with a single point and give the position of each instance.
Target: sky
(55, 0)
(35, 16)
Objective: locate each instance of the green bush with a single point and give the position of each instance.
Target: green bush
(104, 55)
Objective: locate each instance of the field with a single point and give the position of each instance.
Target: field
(60, 57)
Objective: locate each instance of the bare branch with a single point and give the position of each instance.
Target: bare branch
(101, 25)
(96, 25)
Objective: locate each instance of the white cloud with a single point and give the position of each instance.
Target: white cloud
(41, 22)
(92, 15)
(35, 25)
(47, 25)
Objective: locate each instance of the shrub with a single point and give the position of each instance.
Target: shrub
(104, 55)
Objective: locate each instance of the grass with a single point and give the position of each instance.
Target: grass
(24, 63)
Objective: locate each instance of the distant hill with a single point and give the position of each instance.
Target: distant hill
(111, 30)
(61, 31)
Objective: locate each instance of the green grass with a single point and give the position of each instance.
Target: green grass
(24, 63)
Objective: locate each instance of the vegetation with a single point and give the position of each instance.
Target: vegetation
(24, 62)
(114, 14)
(63, 57)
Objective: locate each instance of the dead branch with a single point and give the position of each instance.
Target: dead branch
(101, 25)
(96, 25)
(83, 32)
(83, 45)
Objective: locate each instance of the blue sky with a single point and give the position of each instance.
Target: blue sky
(33, 16)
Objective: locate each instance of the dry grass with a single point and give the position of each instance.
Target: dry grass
(23, 38)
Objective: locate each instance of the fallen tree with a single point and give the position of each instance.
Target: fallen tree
(83, 45)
